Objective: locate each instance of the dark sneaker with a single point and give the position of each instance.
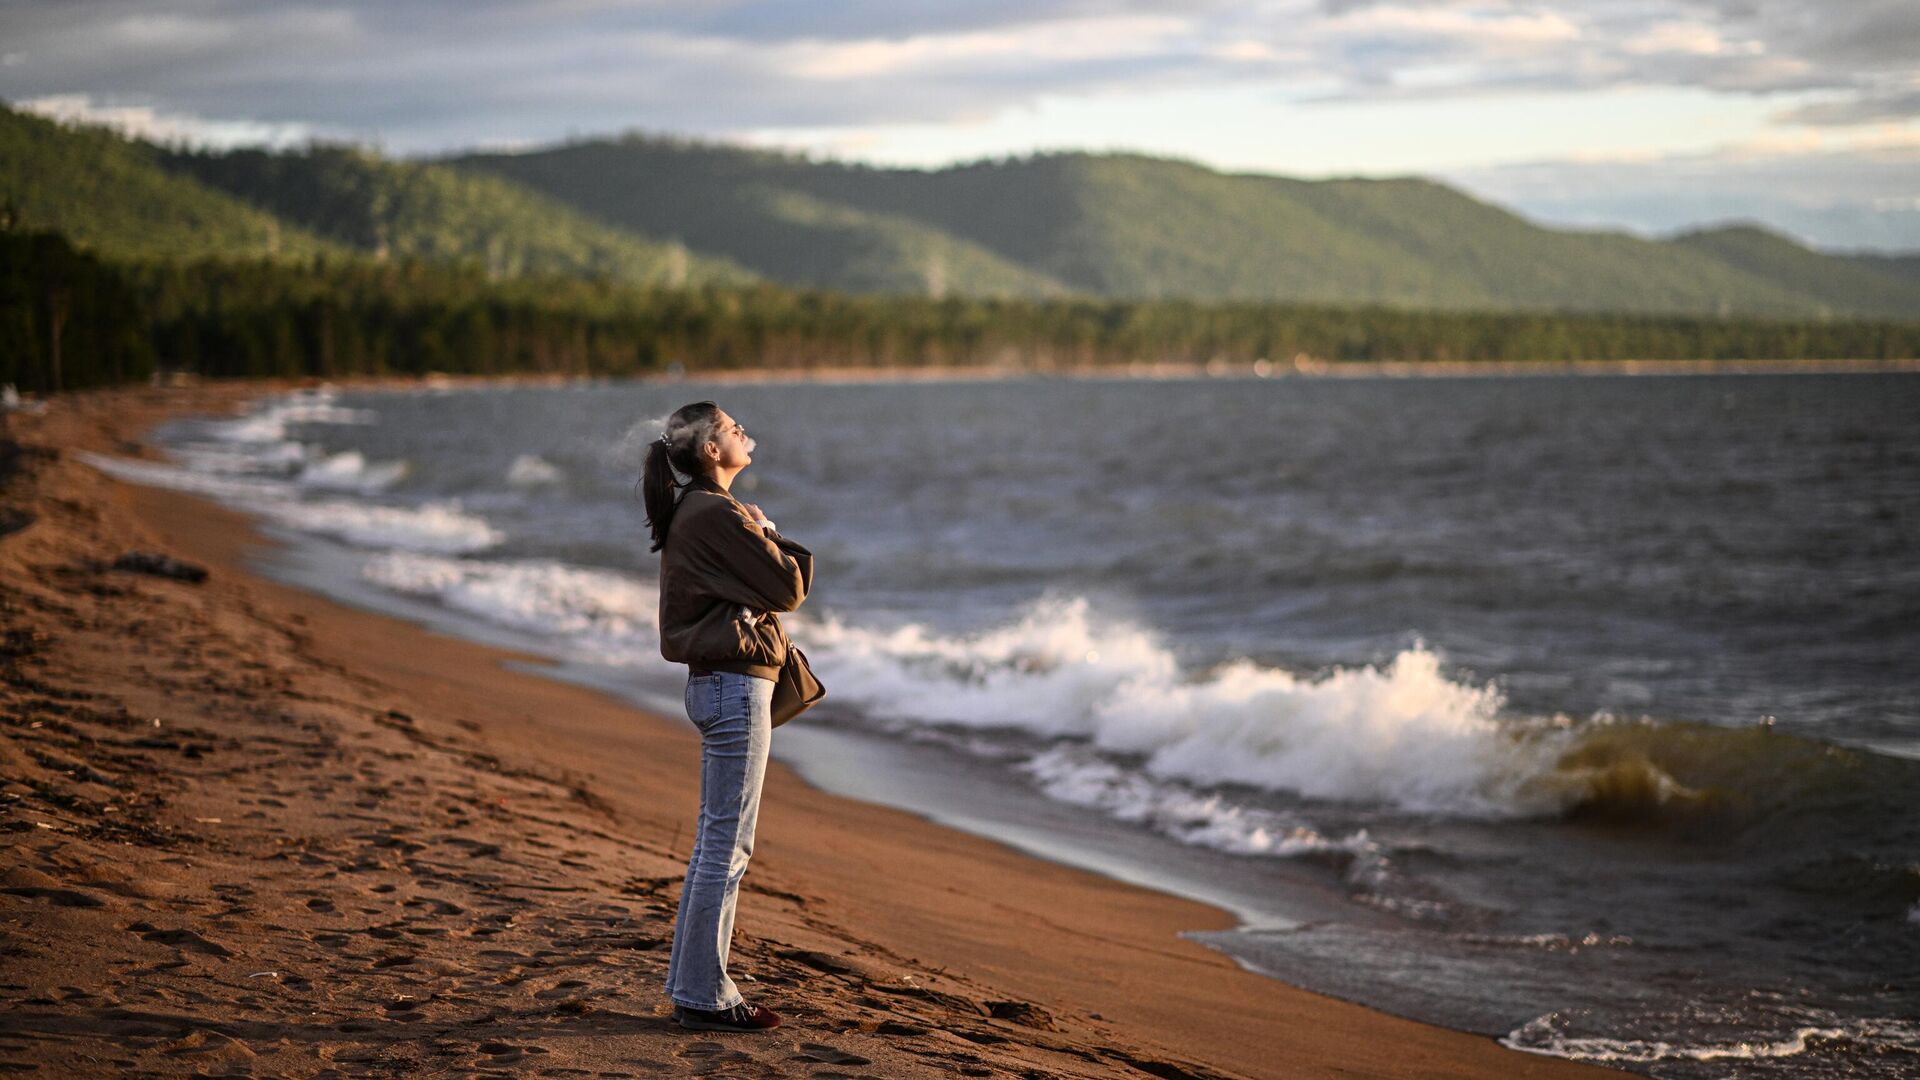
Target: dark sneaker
(742, 1017)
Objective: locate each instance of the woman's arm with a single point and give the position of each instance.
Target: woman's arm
(753, 566)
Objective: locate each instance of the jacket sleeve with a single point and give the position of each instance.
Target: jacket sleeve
(754, 570)
(800, 555)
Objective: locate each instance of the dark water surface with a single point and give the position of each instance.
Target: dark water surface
(1591, 700)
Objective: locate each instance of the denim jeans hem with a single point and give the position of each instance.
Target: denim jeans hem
(708, 1008)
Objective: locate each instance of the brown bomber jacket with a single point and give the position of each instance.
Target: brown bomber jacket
(715, 563)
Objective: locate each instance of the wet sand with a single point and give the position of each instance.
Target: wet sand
(250, 831)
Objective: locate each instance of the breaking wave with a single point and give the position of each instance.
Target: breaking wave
(434, 527)
(349, 470)
(1400, 733)
(603, 616)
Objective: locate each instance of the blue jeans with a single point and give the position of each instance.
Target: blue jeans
(735, 716)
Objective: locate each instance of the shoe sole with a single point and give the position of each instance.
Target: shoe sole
(702, 1025)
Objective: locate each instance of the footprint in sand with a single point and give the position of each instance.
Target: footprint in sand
(507, 1053)
(179, 939)
(72, 898)
(563, 989)
(828, 1055)
(712, 1056)
(208, 1045)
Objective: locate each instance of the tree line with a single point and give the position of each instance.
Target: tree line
(70, 320)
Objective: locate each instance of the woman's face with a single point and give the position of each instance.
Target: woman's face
(734, 449)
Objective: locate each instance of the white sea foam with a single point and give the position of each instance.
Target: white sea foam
(257, 444)
(611, 618)
(241, 459)
(232, 488)
(531, 470)
(604, 616)
(1069, 775)
(434, 527)
(309, 465)
(1550, 942)
(1401, 734)
(350, 471)
(1047, 671)
(267, 422)
(1541, 1036)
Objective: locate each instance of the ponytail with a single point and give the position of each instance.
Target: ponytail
(688, 429)
(657, 484)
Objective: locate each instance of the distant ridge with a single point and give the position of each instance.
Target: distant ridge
(405, 209)
(1904, 266)
(127, 199)
(112, 195)
(1128, 226)
(777, 214)
(1842, 282)
(656, 211)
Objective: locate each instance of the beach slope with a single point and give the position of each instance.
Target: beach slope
(249, 830)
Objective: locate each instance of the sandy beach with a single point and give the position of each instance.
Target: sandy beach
(250, 831)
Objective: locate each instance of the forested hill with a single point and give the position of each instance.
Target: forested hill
(795, 222)
(1126, 226)
(406, 209)
(111, 195)
(649, 211)
(1840, 281)
(125, 199)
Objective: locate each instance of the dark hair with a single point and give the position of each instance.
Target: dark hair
(688, 429)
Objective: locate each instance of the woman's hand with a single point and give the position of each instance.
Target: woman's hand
(757, 515)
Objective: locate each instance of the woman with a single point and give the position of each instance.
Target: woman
(723, 569)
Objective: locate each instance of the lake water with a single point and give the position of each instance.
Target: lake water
(1577, 710)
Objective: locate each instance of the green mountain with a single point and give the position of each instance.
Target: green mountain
(409, 209)
(112, 195)
(1905, 267)
(1126, 226)
(757, 209)
(1844, 283)
(639, 210)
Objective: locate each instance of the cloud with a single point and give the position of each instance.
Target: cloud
(1858, 195)
(424, 76)
(145, 122)
(1861, 109)
(427, 74)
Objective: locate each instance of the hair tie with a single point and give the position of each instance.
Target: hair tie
(673, 471)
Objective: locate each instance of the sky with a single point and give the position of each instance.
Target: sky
(1649, 115)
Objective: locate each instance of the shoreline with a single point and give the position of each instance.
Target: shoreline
(522, 838)
(1298, 368)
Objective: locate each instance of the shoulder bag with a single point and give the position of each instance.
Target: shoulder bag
(796, 690)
